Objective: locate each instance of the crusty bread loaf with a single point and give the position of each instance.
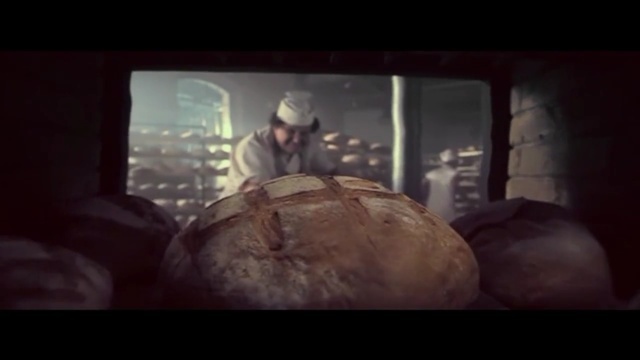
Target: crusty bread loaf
(37, 276)
(534, 255)
(304, 242)
(126, 234)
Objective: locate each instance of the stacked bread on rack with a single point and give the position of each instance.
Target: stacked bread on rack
(356, 157)
(197, 136)
(468, 197)
(180, 170)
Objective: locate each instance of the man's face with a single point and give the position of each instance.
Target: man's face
(292, 139)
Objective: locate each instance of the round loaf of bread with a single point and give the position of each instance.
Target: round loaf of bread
(534, 255)
(126, 234)
(305, 242)
(38, 276)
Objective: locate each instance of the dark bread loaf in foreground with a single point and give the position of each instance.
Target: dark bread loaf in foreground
(535, 255)
(125, 234)
(37, 276)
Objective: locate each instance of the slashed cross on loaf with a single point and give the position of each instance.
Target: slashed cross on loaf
(321, 242)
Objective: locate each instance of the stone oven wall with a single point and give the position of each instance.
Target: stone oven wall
(574, 142)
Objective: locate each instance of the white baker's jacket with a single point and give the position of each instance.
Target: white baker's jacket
(255, 157)
(442, 192)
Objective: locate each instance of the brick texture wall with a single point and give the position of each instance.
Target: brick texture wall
(51, 115)
(574, 143)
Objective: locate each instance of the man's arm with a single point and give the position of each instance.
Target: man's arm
(252, 162)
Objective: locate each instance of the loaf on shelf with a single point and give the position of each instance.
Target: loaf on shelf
(356, 157)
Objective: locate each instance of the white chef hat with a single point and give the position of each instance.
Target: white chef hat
(296, 108)
(448, 156)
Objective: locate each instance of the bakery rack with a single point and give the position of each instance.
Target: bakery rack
(179, 167)
(467, 187)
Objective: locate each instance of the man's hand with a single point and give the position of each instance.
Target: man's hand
(249, 185)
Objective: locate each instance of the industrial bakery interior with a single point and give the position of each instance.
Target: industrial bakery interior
(541, 144)
(182, 130)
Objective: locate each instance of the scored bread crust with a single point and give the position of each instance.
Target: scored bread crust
(305, 242)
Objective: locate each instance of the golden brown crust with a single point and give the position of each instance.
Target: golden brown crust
(319, 242)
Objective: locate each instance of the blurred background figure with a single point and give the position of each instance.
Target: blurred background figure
(440, 186)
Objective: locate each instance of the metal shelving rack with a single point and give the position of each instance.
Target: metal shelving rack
(170, 165)
(467, 188)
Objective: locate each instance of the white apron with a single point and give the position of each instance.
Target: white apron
(442, 192)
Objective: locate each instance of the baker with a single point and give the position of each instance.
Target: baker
(288, 145)
(439, 184)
